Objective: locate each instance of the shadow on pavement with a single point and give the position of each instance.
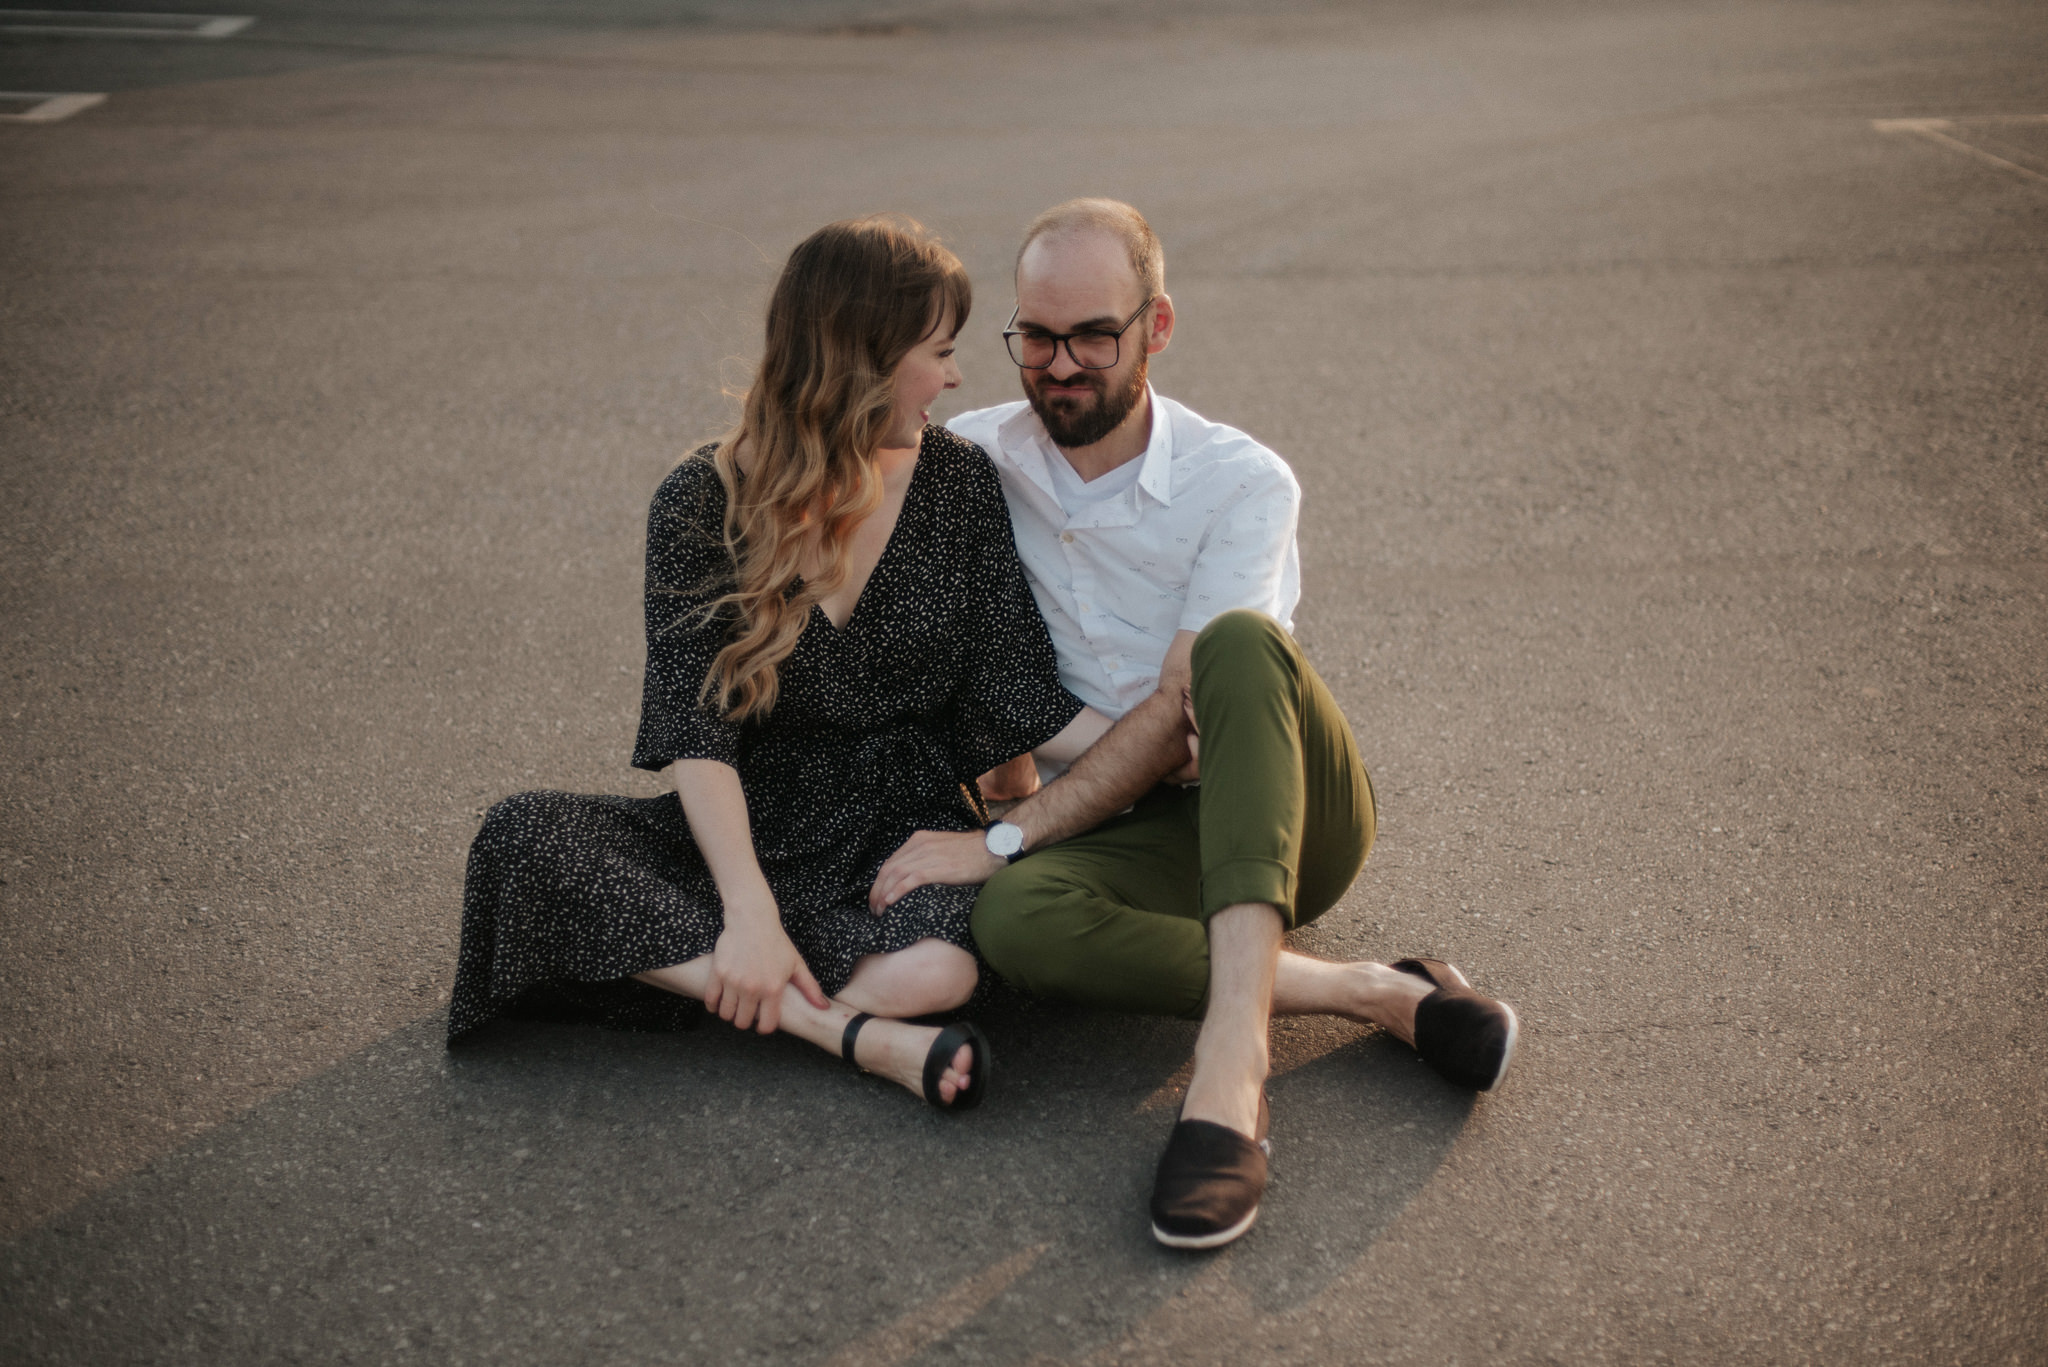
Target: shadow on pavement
(562, 1194)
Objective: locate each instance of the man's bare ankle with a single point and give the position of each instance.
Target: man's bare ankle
(1229, 1075)
(1229, 1101)
(1226, 1051)
(1388, 998)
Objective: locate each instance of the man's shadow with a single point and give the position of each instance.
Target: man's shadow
(557, 1193)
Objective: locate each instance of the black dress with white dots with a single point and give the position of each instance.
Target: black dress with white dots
(943, 670)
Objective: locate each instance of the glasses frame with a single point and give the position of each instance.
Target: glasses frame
(1068, 338)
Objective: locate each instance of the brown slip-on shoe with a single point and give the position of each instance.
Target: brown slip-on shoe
(1209, 1184)
(1467, 1037)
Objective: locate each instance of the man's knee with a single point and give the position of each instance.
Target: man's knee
(1240, 628)
(1242, 639)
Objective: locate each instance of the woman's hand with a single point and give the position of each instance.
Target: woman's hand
(752, 962)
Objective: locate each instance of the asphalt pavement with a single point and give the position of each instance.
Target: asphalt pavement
(1673, 425)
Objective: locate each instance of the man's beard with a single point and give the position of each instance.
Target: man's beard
(1076, 422)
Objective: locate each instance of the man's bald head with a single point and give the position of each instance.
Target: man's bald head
(1090, 274)
(1114, 218)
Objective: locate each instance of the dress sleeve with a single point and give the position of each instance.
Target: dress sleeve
(687, 569)
(1009, 698)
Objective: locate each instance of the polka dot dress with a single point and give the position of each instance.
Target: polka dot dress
(943, 671)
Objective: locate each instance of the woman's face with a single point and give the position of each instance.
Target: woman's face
(921, 376)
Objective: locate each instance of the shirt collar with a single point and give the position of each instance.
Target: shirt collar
(1024, 437)
(1155, 475)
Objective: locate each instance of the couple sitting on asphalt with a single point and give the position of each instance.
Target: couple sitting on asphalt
(860, 627)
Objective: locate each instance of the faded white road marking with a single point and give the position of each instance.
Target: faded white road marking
(42, 107)
(911, 1334)
(92, 24)
(1942, 131)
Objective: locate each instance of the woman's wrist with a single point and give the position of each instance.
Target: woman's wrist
(752, 907)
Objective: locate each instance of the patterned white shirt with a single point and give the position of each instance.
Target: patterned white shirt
(1207, 526)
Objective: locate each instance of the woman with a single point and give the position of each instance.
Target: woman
(839, 638)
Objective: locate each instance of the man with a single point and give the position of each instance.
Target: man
(1161, 549)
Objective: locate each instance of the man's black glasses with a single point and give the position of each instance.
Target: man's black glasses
(1091, 348)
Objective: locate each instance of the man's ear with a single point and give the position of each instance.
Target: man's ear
(1161, 331)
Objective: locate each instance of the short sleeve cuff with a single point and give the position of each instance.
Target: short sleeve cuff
(982, 747)
(690, 735)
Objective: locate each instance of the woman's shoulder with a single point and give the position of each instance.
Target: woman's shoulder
(687, 517)
(946, 444)
(693, 486)
(966, 466)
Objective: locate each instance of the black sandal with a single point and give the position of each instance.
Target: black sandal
(943, 1048)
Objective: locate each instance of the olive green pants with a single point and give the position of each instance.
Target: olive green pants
(1118, 918)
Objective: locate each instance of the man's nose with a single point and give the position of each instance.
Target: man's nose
(1063, 367)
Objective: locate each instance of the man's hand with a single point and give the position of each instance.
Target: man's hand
(752, 962)
(956, 857)
(1191, 772)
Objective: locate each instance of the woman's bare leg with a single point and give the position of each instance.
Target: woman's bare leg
(928, 976)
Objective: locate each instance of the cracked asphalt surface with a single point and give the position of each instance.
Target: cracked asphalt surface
(1673, 441)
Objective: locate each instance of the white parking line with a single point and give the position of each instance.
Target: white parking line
(1942, 131)
(42, 107)
(87, 24)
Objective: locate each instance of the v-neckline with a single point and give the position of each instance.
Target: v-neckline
(916, 469)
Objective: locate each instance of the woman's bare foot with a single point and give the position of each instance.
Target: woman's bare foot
(896, 1050)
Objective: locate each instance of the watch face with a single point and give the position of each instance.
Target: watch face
(1004, 839)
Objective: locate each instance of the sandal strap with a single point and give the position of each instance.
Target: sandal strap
(941, 1053)
(852, 1033)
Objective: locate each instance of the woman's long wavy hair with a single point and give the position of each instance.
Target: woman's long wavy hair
(853, 299)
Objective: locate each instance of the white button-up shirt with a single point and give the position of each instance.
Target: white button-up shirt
(1208, 526)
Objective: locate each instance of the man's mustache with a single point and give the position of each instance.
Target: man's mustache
(1093, 384)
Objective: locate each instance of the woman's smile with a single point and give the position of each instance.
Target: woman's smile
(924, 373)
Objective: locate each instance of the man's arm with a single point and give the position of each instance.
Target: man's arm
(1151, 743)
(1148, 745)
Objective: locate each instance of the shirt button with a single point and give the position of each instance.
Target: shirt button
(1067, 537)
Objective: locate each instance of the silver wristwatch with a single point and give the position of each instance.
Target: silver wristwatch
(1004, 841)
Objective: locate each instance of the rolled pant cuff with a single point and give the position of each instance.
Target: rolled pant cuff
(1248, 879)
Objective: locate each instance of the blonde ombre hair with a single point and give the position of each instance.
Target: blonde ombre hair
(852, 301)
